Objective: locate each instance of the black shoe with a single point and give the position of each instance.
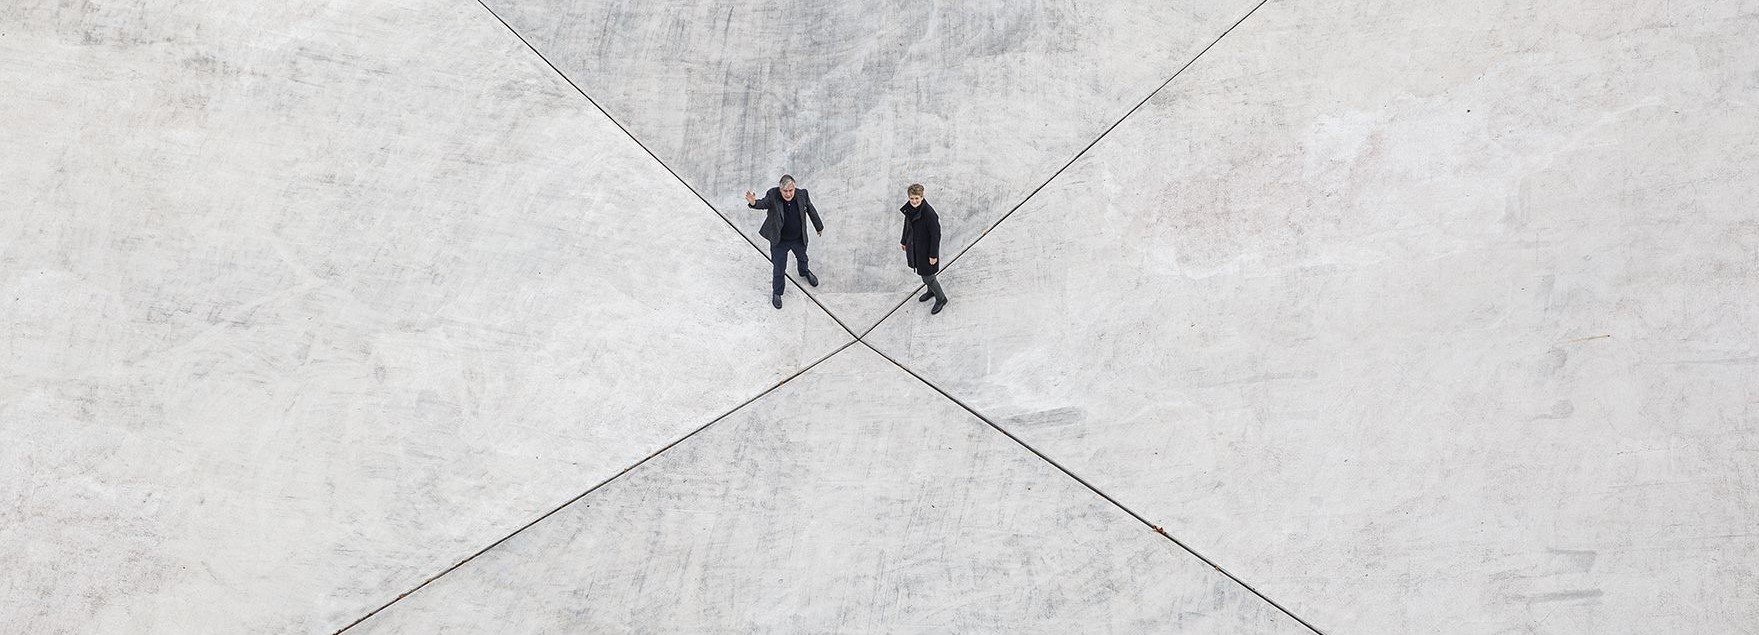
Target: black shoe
(937, 307)
(926, 295)
(810, 278)
(776, 300)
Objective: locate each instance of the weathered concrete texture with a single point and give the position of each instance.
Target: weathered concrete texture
(980, 101)
(1413, 315)
(304, 302)
(852, 499)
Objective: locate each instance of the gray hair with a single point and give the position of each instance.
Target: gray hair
(786, 179)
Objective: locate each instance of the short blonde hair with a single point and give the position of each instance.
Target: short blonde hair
(915, 189)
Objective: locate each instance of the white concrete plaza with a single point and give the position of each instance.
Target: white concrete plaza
(1367, 316)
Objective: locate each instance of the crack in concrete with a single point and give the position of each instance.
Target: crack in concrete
(1108, 498)
(1071, 162)
(662, 162)
(600, 484)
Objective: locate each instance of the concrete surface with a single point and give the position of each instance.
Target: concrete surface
(852, 499)
(980, 101)
(1416, 317)
(304, 303)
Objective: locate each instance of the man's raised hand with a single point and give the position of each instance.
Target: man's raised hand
(750, 198)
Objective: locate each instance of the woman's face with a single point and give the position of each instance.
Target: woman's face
(915, 200)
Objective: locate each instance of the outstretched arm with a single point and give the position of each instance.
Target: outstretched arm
(812, 210)
(752, 201)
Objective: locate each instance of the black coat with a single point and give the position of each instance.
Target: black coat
(922, 238)
(772, 224)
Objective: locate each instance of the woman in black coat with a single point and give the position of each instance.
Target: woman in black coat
(922, 245)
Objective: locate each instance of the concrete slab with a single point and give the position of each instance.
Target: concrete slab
(852, 499)
(980, 101)
(1412, 315)
(306, 301)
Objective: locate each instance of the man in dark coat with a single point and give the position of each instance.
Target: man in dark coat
(785, 228)
(922, 245)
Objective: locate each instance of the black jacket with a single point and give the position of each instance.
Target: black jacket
(772, 224)
(922, 238)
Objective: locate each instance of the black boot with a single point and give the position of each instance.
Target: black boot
(810, 278)
(926, 296)
(937, 307)
(776, 300)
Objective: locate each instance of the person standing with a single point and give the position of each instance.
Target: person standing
(922, 244)
(785, 228)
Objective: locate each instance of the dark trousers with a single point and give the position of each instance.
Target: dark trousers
(779, 262)
(934, 286)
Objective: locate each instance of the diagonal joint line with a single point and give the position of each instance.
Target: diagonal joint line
(1066, 472)
(657, 159)
(1077, 157)
(596, 487)
(858, 339)
(1022, 442)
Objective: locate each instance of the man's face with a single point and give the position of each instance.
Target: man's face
(788, 192)
(916, 200)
